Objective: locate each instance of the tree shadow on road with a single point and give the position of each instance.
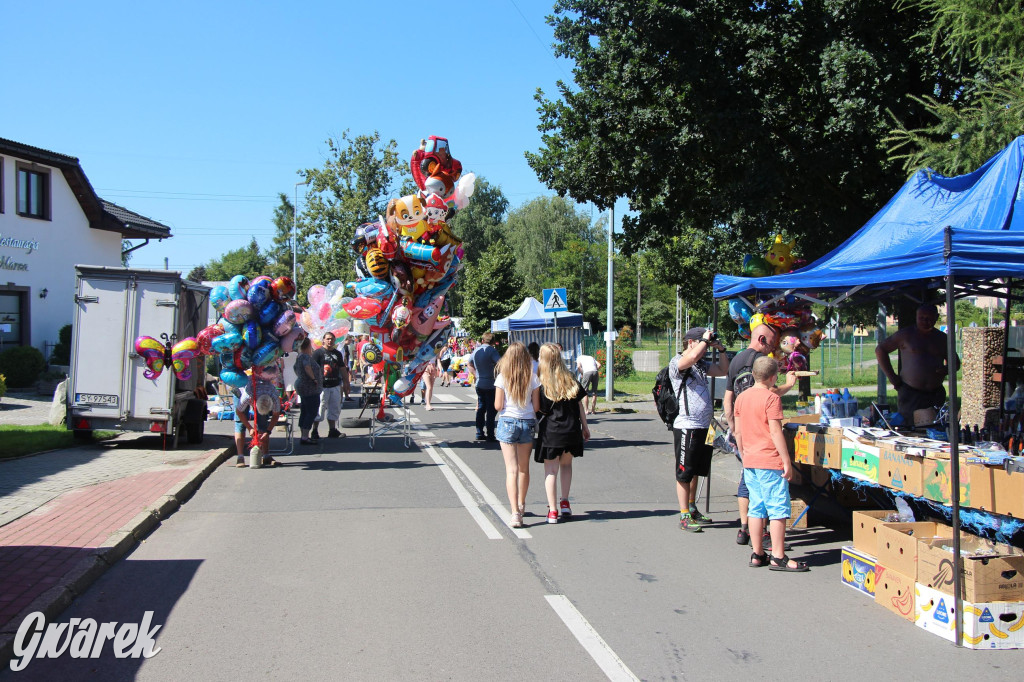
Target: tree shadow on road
(609, 515)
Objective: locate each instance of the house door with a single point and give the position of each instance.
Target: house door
(12, 319)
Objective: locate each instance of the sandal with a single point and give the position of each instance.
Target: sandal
(308, 441)
(782, 564)
(271, 463)
(760, 559)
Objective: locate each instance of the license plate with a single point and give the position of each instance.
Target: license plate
(96, 399)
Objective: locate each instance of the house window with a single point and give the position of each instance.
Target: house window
(33, 192)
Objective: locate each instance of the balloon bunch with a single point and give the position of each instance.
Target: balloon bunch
(800, 329)
(158, 355)
(258, 325)
(777, 261)
(326, 311)
(406, 263)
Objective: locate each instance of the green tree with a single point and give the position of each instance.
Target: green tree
(197, 274)
(581, 267)
(353, 187)
(730, 120)
(538, 228)
(481, 222)
(248, 260)
(279, 255)
(986, 41)
(126, 254)
(492, 289)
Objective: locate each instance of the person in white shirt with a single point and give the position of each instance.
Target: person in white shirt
(517, 400)
(588, 367)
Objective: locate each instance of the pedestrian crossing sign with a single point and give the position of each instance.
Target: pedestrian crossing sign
(554, 300)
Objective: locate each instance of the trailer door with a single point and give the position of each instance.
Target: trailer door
(155, 312)
(98, 375)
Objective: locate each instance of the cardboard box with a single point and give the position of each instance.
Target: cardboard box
(982, 486)
(899, 471)
(865, 529)
(797, 507)
(987, 625)
(898, 543)
(860, 461)
(858, 571)
(824, 448)
(1008, 491)
(938, 481)
(991, 577)
(797, 443)
(894, 591)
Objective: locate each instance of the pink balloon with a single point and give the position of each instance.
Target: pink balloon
(323, 311)
(316, 294)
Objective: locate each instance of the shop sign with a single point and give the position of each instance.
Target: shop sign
(8, 263)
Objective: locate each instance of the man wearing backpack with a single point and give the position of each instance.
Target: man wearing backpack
(764, 339)
(689, 372)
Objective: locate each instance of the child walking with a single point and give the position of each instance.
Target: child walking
(562, 429)
(767, 469)
(517, 401)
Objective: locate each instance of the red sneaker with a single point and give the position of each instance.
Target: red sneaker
(552, 516)
(563, 509)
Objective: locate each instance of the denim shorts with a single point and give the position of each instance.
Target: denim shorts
(769, 494)
(511, 430)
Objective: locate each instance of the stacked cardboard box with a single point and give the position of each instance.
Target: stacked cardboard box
(908, 569)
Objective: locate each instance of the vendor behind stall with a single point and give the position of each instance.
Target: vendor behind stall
(923, 367)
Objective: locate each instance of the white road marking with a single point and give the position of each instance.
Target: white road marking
(447, 398)
(606, 659)
(485, 492)
(467, 500)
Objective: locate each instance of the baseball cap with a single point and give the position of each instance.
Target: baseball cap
(695, 333)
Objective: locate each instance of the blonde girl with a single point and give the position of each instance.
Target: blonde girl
(516, 399)
(562, 430)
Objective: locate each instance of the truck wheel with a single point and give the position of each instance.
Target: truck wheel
(82, 434)
(194, 432)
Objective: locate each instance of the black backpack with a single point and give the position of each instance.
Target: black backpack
(665, 399)
(744, 378)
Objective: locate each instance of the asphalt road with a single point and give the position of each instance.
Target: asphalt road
(393, 564)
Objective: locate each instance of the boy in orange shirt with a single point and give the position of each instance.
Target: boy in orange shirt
(767, 469)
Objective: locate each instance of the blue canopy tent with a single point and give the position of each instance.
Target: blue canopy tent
(960, 234)
(530, 323)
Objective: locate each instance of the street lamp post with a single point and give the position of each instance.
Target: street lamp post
(609, 344)
(295, 223)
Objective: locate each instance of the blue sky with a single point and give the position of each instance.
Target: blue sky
(198, 114)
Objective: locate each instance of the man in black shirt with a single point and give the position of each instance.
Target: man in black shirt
(332, 362)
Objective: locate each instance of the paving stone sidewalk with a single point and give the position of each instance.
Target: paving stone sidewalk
(68, 515)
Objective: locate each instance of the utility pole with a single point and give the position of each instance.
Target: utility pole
(639, 333)
(609, 344)
(295, 224)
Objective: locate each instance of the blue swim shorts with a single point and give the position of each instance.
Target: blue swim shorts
(769, 494)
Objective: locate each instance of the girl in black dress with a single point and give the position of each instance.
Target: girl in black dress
(562, 429)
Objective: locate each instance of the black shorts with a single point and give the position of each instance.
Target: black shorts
(692, 454)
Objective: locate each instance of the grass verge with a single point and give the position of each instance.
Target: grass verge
(19, 439)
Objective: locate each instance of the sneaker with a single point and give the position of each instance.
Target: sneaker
(743, 537)
(686, 522)
(315, 434)
(552, 516)
(333, 433)
(480, 436)
(240, 462)
(517, 520)
(563, 509)
(698, 517)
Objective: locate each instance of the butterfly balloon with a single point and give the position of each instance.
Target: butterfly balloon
(159, 355)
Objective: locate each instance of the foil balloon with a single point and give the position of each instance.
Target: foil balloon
(739, 311)
(269, 312)
(157, 356)
(226, 342)
(205, 338)
(780, 255)
(260, 293)
(372, 354)
(229, 327)
(237, 287)
(283, 288)
(363, 308)
(290, 341)
(756, 266)
(376, 264)
(219, 298)
(234, 377)
(400, 316)
(284, 323)
(266, 353)
(238, 311)
(253, 334)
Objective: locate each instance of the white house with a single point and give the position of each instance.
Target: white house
(51, 220)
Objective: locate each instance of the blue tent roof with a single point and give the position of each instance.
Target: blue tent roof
(981, 214)
(531, 315)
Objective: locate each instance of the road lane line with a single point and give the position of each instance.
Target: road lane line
(485, 492)
(606, 659)
(467, 500)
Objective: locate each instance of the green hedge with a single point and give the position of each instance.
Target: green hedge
(21, 365)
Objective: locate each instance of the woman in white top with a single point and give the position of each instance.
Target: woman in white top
(517, 400)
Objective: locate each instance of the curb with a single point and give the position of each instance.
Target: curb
(77, 580)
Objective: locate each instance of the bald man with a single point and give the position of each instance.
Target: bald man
(764, 339)
(924, 353)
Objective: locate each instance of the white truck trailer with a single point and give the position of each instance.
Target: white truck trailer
(107, 388)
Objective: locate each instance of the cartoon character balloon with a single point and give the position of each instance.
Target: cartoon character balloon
(159, 355)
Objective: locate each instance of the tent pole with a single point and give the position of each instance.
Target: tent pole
(1008, 301)
(954, 454)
